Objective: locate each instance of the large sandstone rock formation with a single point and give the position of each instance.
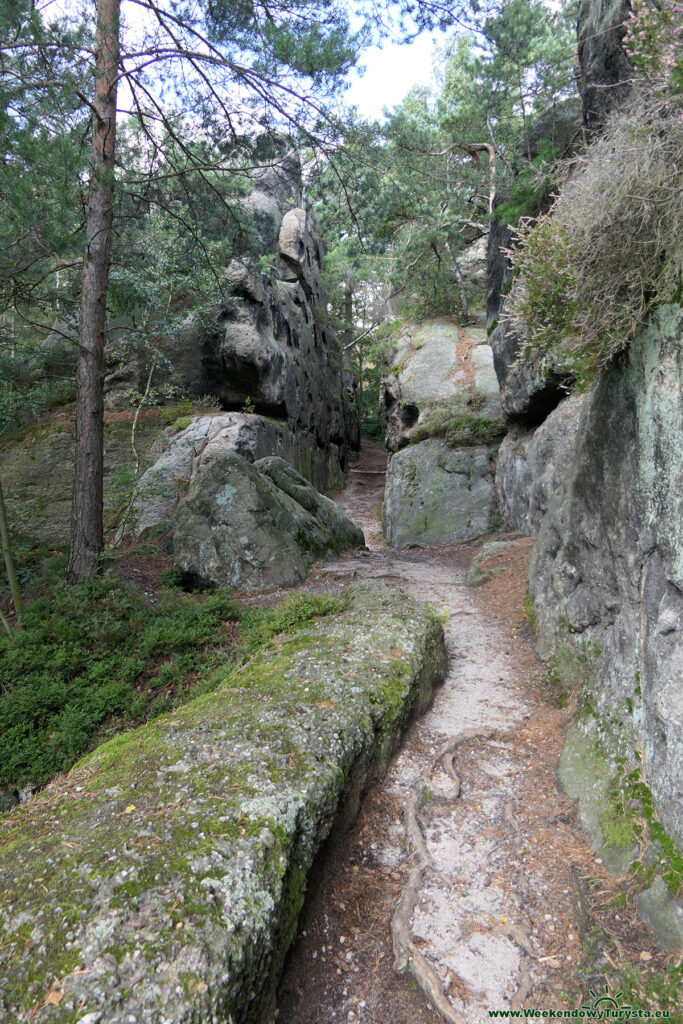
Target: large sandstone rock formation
(253, 526)
(180, 454)
(435, 493)
(270, 346)
(435, 365)
(175, 858)
(608, 564)
(443, 423)
(533, 464)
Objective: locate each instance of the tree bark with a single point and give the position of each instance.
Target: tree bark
(87, 533)
(348, 328)
(9, 562)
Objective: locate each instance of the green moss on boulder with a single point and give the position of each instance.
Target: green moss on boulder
(162, 878)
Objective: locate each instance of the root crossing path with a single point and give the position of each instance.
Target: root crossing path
(452, 894)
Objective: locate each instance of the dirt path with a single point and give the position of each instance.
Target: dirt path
(466, 850)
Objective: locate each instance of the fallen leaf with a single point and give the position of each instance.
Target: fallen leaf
(129, 808)
(645, 955)
(54, 997)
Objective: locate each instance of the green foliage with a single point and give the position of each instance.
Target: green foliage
(457, 427)
(23, 399)
(531, 189)
(408, 197)
(258, 625)
(661, 992)
(92, 655)
(631, 812)
(653, 42)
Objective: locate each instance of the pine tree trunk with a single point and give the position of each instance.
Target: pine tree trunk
(87, 537)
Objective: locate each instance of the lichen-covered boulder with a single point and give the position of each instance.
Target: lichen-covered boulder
(435, 493)
(161, 880)
(180, 454)
(252, 526)
(532, 465)
(607, 568)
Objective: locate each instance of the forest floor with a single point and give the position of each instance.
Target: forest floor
(485, 893)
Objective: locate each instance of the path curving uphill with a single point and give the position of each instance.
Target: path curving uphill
(454, 892)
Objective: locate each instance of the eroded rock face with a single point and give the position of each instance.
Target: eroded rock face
(527, 396)
(608, 564)
(254, 526)
(199, 872)
(435, 365)
(181, 454)
(605, 68)
(532, 464)
(269, 349)
(435, 493)
(443, 421)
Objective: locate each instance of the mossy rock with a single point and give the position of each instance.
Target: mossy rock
(586, 775)
(162, 877)
(479, 572)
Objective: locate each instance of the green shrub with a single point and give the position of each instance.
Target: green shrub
(610, 249)
(94, 654)
(258, 625)
(457, 427)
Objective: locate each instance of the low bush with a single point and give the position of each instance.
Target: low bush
(611, 247)
(98, 654)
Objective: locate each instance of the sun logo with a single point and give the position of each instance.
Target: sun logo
(605, 1001)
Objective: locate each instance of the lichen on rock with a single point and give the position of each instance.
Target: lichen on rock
(252, 526)
(162, 878)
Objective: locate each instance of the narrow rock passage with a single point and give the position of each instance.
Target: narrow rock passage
(458, 873)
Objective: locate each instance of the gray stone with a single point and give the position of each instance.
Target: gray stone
(479, 572)
(605, 70)
(438, 363)
(341, 528)
(532, 464)
(435, 493)
(527, 396)
(664, 915)
(585, 775)
(180, 454)
(275, 348)
(200, 873)
(607, 568)
(237, 527)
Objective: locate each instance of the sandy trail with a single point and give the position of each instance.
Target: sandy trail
(490, 920)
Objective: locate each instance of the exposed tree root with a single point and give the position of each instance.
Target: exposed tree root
(446, 752)
(524, 990)
(407, 957)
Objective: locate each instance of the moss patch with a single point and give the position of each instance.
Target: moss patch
(166, 870)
